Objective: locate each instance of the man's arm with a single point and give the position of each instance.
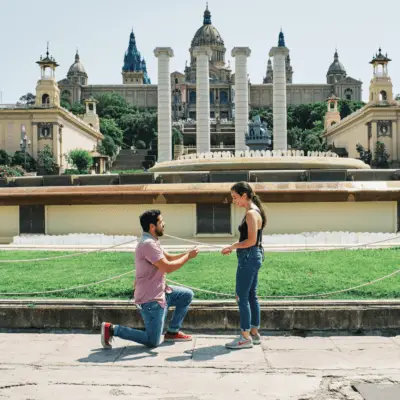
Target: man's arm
(166, 266)
(173, 257)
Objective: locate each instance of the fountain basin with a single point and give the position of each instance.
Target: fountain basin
(259, 163)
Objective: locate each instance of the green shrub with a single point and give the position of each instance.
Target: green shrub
(5, 158)
(25, 160)
(80, 159)
(140, 145)
(47, 160)
(11, 171)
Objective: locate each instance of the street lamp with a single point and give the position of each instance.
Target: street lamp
(24, 144)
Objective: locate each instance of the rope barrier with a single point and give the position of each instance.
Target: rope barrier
(77, 254)
(191, 287)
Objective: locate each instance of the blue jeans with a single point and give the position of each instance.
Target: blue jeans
(154, 317)
(249, 263)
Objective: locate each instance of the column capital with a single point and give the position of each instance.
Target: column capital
(158, 51)
(278, 50)
(202, 50)
(241, 50)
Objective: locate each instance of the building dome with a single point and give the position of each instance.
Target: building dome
(207, 35)
(77, 66)
(336, 68)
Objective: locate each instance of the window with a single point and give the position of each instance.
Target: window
(192, 97)
(213, 218)
(223, 97)
(383, 95)
(45, 99)
(348, 94)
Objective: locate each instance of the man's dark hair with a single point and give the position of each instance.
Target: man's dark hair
(149, 217)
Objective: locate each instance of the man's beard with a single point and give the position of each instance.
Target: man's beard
(159, 232)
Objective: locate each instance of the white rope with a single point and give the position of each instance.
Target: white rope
(77, 254)
(304, 249)
(68, 289)
(298, 296)
(190, 287)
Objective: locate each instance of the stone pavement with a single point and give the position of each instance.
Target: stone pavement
(74, 366)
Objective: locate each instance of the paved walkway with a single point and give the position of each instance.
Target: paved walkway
(74, 366)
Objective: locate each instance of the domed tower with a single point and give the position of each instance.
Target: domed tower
(134, 71)
(336, 71)
(208, 35)
(77, 73)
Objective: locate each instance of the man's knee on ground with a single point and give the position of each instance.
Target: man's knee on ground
(152, 344)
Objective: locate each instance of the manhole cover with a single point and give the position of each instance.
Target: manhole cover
(371, 391)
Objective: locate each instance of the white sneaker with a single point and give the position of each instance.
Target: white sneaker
(256, 338)
(240, 343)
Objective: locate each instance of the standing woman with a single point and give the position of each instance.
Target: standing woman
(250, 256)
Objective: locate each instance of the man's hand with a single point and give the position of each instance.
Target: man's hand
(226, 250)
(193, 253)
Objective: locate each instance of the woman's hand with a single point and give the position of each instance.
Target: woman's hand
(227, 250)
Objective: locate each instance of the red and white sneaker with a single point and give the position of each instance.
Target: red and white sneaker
(107, 333)
(177, 337)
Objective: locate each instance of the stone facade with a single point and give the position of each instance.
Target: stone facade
(378, 121)
(137, 90)
(46, 123)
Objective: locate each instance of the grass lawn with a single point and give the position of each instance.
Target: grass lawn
(281, 274)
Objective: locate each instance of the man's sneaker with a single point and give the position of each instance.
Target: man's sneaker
(256, 338)
(177, 337)
(240, 343)
(107, 333)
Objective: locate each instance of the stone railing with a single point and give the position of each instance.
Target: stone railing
(258, 153)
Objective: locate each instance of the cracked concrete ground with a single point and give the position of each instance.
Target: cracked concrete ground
(64, 366)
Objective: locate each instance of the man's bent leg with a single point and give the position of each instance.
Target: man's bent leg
(181, 299)
(153, 318)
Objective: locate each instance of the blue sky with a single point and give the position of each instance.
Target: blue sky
(101, 28)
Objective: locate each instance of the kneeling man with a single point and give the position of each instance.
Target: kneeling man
(152, 296)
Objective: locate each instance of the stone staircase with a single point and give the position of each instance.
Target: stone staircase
(129, 159)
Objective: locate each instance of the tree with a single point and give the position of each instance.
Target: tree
(381, 155)
(27, 99)
(77, 108)
(138, 126)
(107, 147)
(112, 106)
(108, 127)
(397, 98)
(80, 159)
(46, 160)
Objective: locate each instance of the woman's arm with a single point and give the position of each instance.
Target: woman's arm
(251, 220)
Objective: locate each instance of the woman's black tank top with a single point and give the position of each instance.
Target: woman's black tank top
(244, 233)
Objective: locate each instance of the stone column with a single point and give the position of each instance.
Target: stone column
(279, 97)
(395, 154)
(164, 104)
(241, 96)
(203, 55)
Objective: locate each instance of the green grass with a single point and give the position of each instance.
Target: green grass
(282, 274)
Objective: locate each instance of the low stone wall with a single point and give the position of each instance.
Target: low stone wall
(300, 317)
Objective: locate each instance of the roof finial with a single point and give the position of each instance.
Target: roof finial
(47, 52)
(207, 16)
(281, 41)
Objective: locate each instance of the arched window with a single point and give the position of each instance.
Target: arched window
(333, 123)
(348, 93)
(223, 97)
(383, 96)
(45, 99)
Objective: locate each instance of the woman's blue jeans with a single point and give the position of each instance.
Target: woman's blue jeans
(249, 263)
